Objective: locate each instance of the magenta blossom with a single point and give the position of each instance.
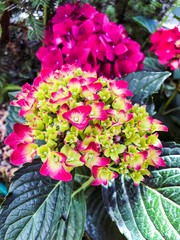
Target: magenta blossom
(22, 143)
(79, 34)
(166, 45)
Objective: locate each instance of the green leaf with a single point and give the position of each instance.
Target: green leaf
(39, 3)
(151, 210)
(12, 95)
(13, 115)
(10, 87)
(148, 23)
(73, 228)
(2, 8)
(143, 84)
(176, 74)
(12, 118)
(34, 205)
(152, 64)
(82, 174)
(99, 225)
(35, 28)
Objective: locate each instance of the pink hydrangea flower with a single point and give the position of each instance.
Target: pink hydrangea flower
(22, 143)
(166, 45)
(79, 34)
(82, 119)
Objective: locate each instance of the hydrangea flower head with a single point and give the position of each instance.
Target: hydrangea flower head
(76, 118)
(166, 45)
(79, 34)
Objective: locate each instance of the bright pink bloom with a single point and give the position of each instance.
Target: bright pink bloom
(25, 100)
(120, 88)
(22, 142)
(153, 125)
(79, 34)
(136, 160)
(78, 116)
(60, 97)
(89, 120)
(92, 158)
(55, 167)
(154, 158)
(102, 175)
(22, 134)
(23, 153)
(89, 91)
(97, 111)
(166, 46)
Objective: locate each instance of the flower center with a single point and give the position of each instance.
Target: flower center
(90, 155)
(76, 119)
(56, 159)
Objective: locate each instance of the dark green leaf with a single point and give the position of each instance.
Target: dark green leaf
(10, 87)
(12, 118)
(13, 115)
(34, 205)
(40, 3)
(99, 226)
(176, 74)
(2, 8)
(143, 84)
(35, 28)
(12, 95)
(82, 174)
(152, 64)
(148, 23)
(151, 210)
(73, 228)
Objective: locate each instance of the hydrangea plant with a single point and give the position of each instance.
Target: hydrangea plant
(81, 119)
(82, 35)
(92, 165)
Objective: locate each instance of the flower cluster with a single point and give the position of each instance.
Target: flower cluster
(79, 34)
(166, 45)
(73, 118)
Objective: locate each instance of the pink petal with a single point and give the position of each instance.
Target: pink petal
(78, 116)
(12, 140)
(23, 131)
(23, 153)
(93, 146)
(102, 161)
(42, 51)
(59, 174)
(97, 111)
(120, 48)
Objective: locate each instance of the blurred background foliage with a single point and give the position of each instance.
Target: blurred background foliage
(22, 23)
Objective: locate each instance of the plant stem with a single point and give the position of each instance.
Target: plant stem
(169, 101)
(113, 169)
(171, 110)
(83, 186)
(45, 15)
